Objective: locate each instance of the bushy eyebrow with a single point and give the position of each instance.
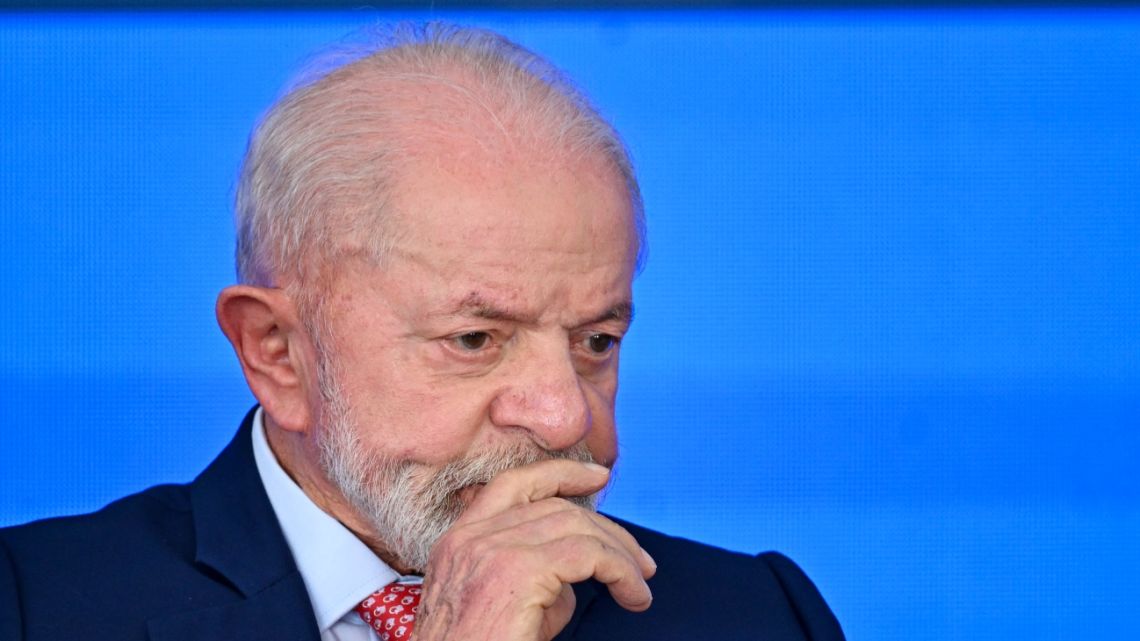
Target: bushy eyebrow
(622, 313)
(477, 306)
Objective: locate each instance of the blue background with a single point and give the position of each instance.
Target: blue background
(889, 325)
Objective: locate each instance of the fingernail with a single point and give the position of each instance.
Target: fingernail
(597, 468)
(649, 558)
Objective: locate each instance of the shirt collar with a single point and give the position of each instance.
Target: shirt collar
(339, 571)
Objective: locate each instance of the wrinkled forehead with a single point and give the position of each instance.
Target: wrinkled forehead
(551, 242)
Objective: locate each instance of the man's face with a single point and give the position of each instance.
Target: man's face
(487, 340)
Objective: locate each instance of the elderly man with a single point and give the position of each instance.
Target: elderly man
(436, 244)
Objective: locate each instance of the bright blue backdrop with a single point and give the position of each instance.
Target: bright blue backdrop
(889, 323)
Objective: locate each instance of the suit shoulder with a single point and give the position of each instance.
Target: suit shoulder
(812, 611)
(121, 517)
(153, 523)
(133, 556)
(767, 592)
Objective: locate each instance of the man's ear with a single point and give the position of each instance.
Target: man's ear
(274, 350)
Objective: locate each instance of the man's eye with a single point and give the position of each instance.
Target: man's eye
(473, 341)
(601, 343)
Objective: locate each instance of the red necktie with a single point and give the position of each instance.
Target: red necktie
(391, 611)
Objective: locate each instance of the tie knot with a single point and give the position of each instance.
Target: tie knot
(391, 611)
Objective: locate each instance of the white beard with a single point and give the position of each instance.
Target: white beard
(408, 505)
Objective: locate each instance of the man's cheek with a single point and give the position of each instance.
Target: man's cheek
(602, 444)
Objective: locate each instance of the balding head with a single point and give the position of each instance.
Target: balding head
(323, 163)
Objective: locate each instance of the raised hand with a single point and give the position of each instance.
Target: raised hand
(503, 572)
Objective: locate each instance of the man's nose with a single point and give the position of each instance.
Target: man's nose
(544, 396)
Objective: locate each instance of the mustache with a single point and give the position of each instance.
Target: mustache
(482, 468)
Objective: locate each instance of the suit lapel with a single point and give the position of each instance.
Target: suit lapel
(281, 612)
(240, 543)
(237, 532)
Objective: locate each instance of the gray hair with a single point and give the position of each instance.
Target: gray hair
(304, 187)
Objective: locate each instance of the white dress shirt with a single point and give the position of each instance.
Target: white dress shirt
(339, 571)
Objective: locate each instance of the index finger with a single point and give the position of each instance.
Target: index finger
(535, 482)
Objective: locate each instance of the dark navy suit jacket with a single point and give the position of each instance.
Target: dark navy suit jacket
(207, 561)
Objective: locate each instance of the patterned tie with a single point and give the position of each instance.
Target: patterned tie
(391, 611)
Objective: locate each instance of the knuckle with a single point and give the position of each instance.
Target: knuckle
(477, 548)
(593, 543)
